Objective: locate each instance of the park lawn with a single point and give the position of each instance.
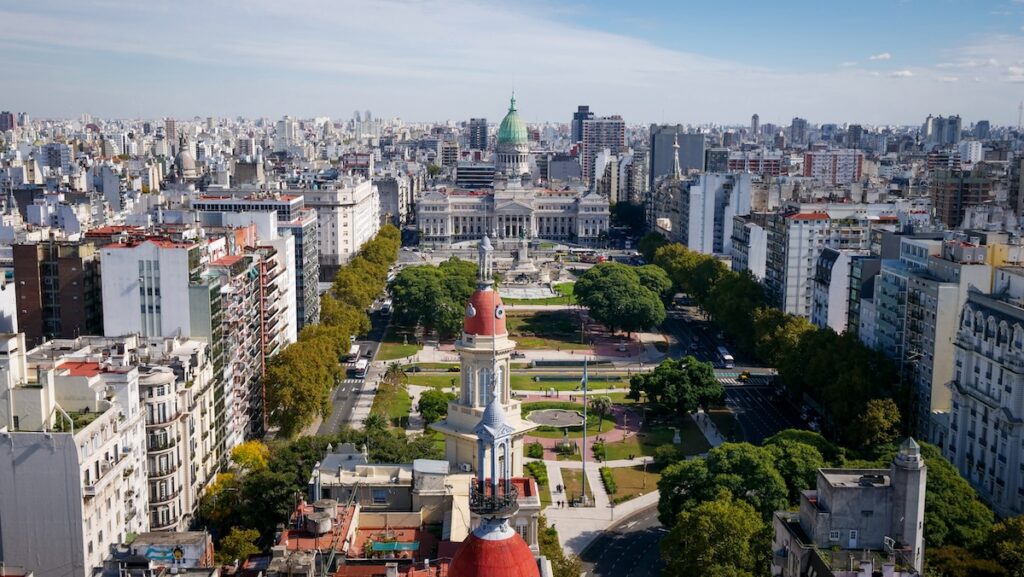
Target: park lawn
(564, 296)
(620, 398)
(630, 483)
(393, 403)
(435, 366)
(727, 424)
(526, 383)
(544, 329)
(648, 440)
(391, 351)
(576, 432)
(437, 381)
(573, 479)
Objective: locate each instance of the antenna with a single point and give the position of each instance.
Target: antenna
(1020, 115)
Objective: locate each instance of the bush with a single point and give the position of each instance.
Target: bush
(599, 453)
(538, 471)
(609, 481)
(535, 451)
(665, 455)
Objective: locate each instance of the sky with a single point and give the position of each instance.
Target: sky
(693, 62)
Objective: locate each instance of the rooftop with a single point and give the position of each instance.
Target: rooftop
(857, 477)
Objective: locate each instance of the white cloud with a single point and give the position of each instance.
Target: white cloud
(948, 79)
(901, 74)
(431, 60)
(848, 64)
(882, 56)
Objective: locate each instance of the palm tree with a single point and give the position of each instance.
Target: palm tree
(601, 405)
(375, 421)
(395, 375)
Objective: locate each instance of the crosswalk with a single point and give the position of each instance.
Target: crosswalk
(752, 381)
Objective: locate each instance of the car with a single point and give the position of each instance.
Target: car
(368, 352)
(744, 376)
(622, 347)
(518, 355)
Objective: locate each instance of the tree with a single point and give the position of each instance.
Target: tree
(615, 297)
(354, 288)
(953, 561)
(375, 422)
(650, 244)
(238, 545)
(654, 279)
(680, 386)
(722, 533)
(1006, 545)
(832, 453)
(602, 405)
(879, 423)
(434, 297)
(798, 463)
(250, 456)
(219, 504)
(629, 215)
(345, 317)
(776, 333)
(732, 303)
(298, 384)
(395, 375)
(267, 499)
(433, 405)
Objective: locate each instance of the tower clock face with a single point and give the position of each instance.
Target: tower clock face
(499, 312)
(470, 310)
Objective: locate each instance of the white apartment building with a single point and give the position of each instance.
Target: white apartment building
(830, 298)
(707, 211)
(348, 215)
(834, 166)
(986, 426)
(72, 460)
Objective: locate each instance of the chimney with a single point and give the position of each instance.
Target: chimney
(391, 570)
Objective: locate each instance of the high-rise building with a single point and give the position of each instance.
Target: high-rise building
(607, 132)
(986, 422)
(663, 140)
(707, 210)
(941, 131)
(478, 133)
(982, 130)
(171, 132)
(58, 290)
(952, 191)
(834, 166)
(798, 131)
(755, 125)
(348, 215)
(854, 135)
(582, 113)
(8, 121)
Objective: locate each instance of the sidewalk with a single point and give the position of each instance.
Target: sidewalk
(415, 425)
(707, 426)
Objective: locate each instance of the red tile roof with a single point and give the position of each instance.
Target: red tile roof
(81, 369)
(809, 216)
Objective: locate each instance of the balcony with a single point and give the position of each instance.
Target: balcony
(168, 524)
(156, 443)
(158, 472)
(158, 499)
(155, 420)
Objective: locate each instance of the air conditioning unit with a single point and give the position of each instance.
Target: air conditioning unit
(465, 467)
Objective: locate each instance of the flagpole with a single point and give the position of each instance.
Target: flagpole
(584, 495)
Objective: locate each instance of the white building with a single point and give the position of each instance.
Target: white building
(709, 206)
(971, 152)
(830, 304)
(72, 460)
(348, 215)
(834, 166)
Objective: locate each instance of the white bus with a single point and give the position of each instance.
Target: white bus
(360, 370)
(727, 361)
(353, 354)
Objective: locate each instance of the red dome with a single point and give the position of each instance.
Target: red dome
(485, 315)
(509, 557)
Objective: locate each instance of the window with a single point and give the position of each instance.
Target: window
(833, 535)
(380, 496)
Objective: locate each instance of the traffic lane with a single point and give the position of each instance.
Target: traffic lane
(627, 548)
(761, 412)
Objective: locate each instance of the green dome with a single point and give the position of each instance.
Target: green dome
(513, 129)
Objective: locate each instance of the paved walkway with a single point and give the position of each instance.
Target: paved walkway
(415, 425)
(707, 426)
(627, 424)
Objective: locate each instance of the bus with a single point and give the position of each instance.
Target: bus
(727, 361)
(353, 353)
(360, 370)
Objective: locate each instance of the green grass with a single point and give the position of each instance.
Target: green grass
(577, 432)
(727, 424)
(565, 297)
(434, 366)
(545, 329)
(393, 403)
(526, 383)
(629, 482)
(648, 440)
(538, 471)
(573, 479)
(437, 381)
(392, 348)
(620, 398)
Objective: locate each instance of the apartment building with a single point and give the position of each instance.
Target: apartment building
(834, 167)
(348, 215)
(708, 208)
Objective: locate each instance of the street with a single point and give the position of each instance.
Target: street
(760, 411)
(630, 547)
(345, 397)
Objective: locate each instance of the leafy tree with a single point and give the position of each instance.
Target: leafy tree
(375, 422)
(798, 463)
(433, 170)
(239, 544)
(879, 423)
(682, 486)
(601, 405)
(654, 279)
(267, 499)
(433, 405)
(679, 263)
(434, 297)
(732, 303)
(724, 534)
(345, 317)
(298, 384)
(353, 287)
(953, 561)
(629, 215)
(680, 386)
(706, 275)
(250, 456)
(777, 333)
(220, 502)
(615, 297)
(1006, 545)
(832, 453)
(650, 244)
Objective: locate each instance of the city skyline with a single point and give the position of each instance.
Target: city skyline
(423, 61)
